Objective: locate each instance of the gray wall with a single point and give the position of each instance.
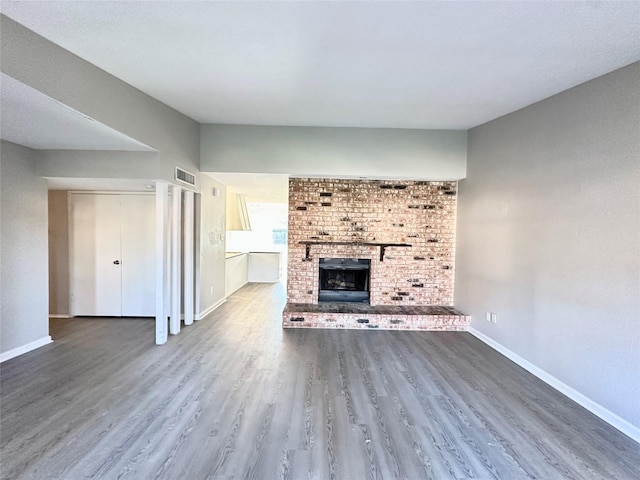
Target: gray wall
(57, 73)
(66, 78)
(210, 247)
(549, 237)
(335, 152)
(24, 298)
(58, 253)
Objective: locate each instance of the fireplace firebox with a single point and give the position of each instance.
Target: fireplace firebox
(344, 280)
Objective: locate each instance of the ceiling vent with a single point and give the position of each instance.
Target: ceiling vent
(185, 177)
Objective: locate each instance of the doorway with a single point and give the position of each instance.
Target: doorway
(112, 269)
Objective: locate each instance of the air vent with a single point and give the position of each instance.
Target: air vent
(185, 177)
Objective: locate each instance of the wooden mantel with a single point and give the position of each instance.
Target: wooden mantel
(382, 246)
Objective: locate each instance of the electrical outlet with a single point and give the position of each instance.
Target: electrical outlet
(494, 318)
(211, 290)
(487, 316)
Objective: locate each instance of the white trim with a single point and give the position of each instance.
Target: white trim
(201, 315)
(608, 416)
(188, 257)
(167, 257)
(4, 356)
(108, 192)
(162, 199)
(59, 315)
(71, 248)
(176, 257)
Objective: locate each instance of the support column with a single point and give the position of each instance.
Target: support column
(162, 207)
(188, 257)
(167, 257)
(176, 254)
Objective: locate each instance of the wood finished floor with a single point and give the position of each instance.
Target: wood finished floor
(236, 397)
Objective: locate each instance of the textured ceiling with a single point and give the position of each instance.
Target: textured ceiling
(30, 118)
(366, 64)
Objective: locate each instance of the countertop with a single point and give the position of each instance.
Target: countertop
(235, 254)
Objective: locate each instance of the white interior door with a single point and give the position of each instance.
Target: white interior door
(138, 255)
(96, 279)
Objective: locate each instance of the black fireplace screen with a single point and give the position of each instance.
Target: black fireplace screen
(344, 280)
(354, 280)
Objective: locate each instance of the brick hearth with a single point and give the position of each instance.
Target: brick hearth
(383, 317)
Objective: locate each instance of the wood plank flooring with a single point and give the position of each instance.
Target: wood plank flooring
(236, 397)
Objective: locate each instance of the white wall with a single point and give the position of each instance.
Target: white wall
(334, 152)
(24, 298)
(210, 245)
(549, 237)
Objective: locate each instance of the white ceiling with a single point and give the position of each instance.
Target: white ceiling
(449, 65)
(30, 118)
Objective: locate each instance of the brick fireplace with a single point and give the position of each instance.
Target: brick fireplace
(403, 230)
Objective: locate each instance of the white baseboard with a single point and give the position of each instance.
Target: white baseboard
(59, 315)
(201, 315)
(4, 356)
(608, 416)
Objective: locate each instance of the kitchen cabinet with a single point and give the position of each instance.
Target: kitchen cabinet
(264, 267)
(236, 272)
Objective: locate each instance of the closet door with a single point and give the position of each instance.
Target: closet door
(138, 255)
(96, 279)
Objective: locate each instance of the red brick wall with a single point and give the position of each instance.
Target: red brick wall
(422, 214)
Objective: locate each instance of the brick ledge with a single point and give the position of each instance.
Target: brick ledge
(382, 317)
